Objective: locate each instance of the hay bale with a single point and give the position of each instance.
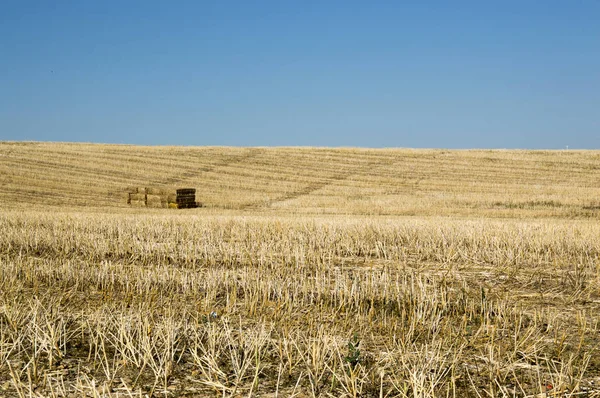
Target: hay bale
(137, 196)
(157, 205)
(154, 198)
(173, 206)
(184, 198)
(141, 190)
(156, 191)
(172, 198)
(138, 203)
(186, 195)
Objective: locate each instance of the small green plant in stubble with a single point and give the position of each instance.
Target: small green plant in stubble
(353, 355)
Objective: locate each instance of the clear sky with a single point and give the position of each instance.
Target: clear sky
(451, 74)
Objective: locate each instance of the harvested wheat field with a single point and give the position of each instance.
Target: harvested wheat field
(308, 272)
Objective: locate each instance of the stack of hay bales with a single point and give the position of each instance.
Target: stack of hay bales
(186, 198)
(137, 197)
(162, 198)
(156, 198)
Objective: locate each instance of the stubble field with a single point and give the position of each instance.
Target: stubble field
(308, 272)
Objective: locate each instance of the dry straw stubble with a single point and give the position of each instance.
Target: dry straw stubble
(302, 276)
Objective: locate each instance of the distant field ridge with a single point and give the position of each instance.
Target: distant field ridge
(393, 182)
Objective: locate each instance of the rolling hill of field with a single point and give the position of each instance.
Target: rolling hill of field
(490, 183)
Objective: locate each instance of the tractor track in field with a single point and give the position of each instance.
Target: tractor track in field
(189, 172)
(194, 172)
(309, 189)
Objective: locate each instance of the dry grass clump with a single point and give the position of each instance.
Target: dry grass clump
(128, 306)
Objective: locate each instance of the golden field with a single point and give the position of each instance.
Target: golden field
(390, 182)
(309, 272)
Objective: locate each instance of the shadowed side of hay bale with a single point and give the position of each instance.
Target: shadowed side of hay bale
(186, 198)
(192, 205)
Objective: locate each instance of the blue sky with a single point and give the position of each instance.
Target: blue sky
(476, 74)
